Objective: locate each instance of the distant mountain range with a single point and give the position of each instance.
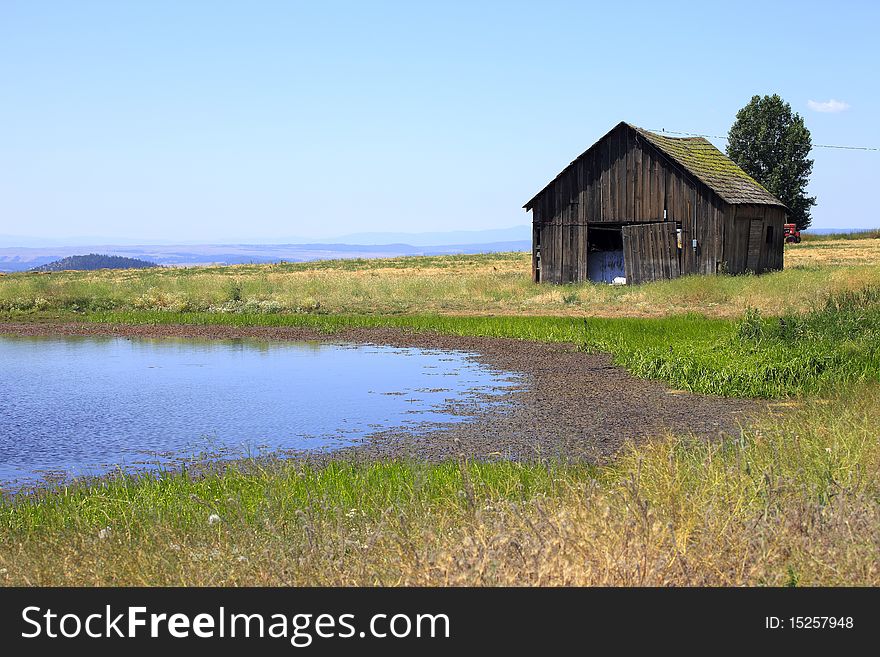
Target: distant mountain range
(23, 258)
(19, 253)
(27, 253)
(94, 261)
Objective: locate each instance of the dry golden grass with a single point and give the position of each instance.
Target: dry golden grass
(454, 285)
(833, 252)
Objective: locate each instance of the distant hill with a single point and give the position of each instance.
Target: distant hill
(14, 259)
(95, 261)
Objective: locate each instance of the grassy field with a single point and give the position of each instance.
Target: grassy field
(873, 233)
(456, 285)
(795, 501)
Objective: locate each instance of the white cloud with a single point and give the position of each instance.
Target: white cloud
(829, 106)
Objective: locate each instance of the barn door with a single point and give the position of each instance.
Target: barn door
(650, 252)
(753, 258)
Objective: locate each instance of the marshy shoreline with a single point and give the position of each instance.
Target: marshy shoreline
(538, 489)
(572, 406)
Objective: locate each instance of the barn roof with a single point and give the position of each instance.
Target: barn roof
(712, 167)
(703, 161)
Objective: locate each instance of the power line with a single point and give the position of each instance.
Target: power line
(696, 134)
(848, 148)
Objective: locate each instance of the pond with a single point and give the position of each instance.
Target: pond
(76, 406)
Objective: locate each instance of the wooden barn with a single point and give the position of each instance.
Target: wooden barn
(643, 206)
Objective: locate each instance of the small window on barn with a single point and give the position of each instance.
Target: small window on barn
(769, 234)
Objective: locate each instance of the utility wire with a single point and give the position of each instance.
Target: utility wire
(695, 134)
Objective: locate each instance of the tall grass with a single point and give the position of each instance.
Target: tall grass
(478, 284)
(793, 355)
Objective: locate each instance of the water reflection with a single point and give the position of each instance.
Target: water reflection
(86, 405)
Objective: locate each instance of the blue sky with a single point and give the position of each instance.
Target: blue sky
(259, 120)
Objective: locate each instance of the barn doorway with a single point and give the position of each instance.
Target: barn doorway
(753, 257)
(605, 254)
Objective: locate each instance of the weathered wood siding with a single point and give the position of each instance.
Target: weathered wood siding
(622, 180)
(754, 238)
(650, 252)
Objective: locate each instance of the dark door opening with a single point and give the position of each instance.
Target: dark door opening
(605, 254)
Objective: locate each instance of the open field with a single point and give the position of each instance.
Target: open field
(793, 501)
(873, 233)
(469, 285)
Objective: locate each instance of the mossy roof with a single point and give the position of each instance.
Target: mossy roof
(712, 167)
(702, 160)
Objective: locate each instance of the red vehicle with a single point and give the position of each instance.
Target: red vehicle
(791, 233)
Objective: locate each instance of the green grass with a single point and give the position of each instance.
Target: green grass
(249, 490)
(793, 355)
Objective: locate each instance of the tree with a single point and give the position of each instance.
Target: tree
(772, 145)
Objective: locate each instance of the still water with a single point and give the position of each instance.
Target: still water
(86, 406)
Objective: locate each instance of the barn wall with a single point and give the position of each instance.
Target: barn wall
(702, 217)
(748, 246)
(624, 179)
(536, 248)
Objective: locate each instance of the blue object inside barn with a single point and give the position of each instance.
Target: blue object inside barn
(605, 266)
